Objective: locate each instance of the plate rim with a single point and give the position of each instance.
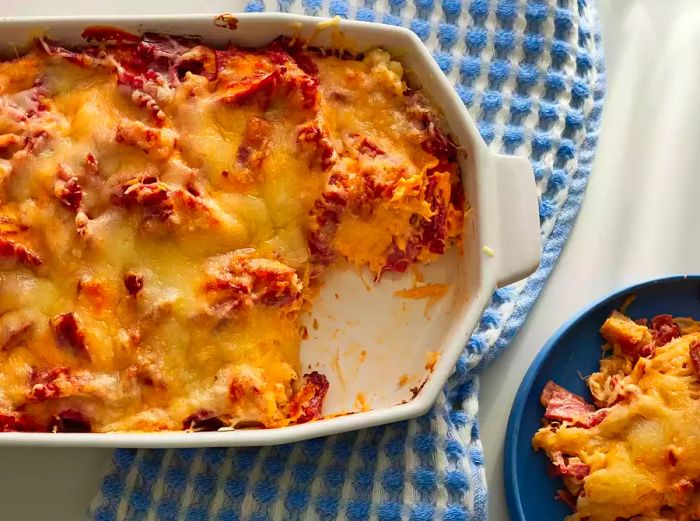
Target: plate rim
(510, 446)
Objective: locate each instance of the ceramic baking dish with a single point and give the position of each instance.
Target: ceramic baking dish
(376, 349)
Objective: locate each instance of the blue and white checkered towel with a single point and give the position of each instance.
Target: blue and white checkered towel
(531, 73)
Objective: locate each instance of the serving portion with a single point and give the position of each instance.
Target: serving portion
(167, 209)
(634, 455)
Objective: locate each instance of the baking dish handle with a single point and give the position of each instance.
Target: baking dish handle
(518, 249)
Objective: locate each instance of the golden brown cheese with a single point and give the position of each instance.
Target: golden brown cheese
(636, 457)
(163, 206)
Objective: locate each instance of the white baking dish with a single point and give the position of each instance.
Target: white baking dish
(354, 317)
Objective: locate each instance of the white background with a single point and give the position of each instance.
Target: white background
(642, 200)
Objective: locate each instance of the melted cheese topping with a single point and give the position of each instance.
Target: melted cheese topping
(643, 457)
(162, 207)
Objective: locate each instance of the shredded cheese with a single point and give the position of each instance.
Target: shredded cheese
(636, 456)
(166, 210)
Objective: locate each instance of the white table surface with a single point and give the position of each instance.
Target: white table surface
(643, 195)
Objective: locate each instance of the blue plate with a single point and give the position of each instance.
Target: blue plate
(572, 351)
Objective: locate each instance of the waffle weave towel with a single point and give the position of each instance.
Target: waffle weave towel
(531, 73)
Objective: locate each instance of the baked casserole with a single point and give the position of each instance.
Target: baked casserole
(167, 209)
(635, 455)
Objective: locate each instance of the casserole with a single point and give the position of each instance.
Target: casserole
(199, 196)
(355, 335)
(639, 436)
(572, 352)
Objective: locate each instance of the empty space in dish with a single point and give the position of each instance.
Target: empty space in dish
(377, 348)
